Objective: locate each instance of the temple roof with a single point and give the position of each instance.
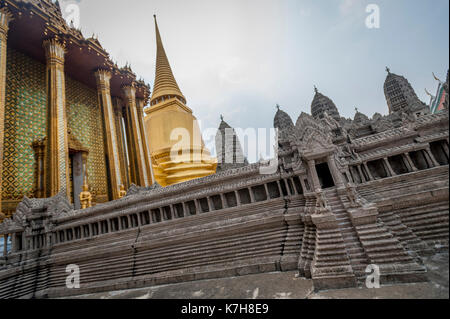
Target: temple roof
(400, 95)
(228, 148)
(282, 120)
(37, 20)
(392, 76)
(165, 83)
(360, 117)
(322, 104)
(223, 125)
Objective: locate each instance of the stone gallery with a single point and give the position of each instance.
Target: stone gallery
(86, 178)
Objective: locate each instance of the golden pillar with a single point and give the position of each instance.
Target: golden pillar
(140, 110)
(128, 138)
(118, 119)
(103, 78)
(5, 18)
(135, 146)
(57, 179)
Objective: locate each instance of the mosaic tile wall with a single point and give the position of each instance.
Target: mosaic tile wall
(85, 122)
(25, 122)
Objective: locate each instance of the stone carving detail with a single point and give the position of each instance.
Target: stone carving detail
(321, 203)
(310, 135)
(134, 189)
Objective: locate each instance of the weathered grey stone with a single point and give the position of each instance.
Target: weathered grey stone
(337, 204)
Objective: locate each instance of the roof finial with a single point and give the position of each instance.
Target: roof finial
(356, 110)
(278, 106)
(388, 70)
(436, 78)
(165, 83)
(315, 89)
(221, 117)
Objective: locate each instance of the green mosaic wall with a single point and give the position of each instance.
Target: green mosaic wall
(85, 123)
(25, 122)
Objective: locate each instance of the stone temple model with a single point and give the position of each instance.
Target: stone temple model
(347, 193)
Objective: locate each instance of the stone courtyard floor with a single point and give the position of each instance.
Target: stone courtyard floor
(286, 286)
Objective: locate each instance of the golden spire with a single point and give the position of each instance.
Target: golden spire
(165, 83)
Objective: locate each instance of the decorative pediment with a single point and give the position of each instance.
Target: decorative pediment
(19, 220)
(310, 135)
(59, 206)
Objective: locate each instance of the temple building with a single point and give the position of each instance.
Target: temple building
(340, 194)
(68, 114)
(178, 153)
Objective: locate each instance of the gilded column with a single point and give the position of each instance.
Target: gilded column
(117, 106)
(136, 145)
(57, 140)
(140, 112)
(5, 18)
(103, 78)
(131, 168)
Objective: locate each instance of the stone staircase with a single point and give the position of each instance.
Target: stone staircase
(355, 251)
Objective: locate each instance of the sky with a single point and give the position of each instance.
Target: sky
(240, 58)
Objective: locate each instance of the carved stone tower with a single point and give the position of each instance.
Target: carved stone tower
(400, 96)
(322, 104)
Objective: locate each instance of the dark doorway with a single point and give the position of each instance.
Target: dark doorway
(325, 178)
(377, 169)
(76, 178)
(438, 150)
(419, 160)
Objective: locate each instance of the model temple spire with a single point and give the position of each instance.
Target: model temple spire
(322, 104)
(400, 96)
(165, 84)
(229, 149)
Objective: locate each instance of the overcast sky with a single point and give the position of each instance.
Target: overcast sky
(240, 58)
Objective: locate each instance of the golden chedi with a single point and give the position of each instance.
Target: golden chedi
(177, 150)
